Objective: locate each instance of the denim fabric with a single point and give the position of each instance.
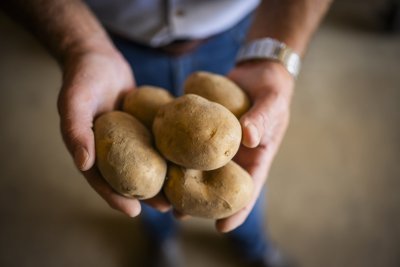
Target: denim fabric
(154, 67)
(250, 239)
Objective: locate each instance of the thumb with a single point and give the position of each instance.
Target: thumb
(76, 123)
(254, 124)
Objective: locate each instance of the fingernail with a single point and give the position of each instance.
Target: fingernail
(165, 209)
(81, 157)
(252, 137)
(135, 212)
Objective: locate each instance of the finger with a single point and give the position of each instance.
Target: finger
(128, 206)
(76, 128)
(259, 175)
(228, 224)
(180, 216)
(159, 202)
(253, 124)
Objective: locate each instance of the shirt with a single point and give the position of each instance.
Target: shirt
(159, 22)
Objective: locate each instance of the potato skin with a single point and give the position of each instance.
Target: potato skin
(196, 133)
(219, 89)
(125, 156)
(144, 102)
(212, 194)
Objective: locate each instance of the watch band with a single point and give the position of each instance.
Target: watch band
(268, 48)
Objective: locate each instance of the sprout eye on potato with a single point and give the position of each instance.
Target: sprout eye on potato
(196, 133)
(125, 156)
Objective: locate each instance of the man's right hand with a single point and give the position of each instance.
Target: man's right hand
(95, 79)
(93, 83)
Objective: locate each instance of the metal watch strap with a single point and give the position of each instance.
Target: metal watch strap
(268, 48)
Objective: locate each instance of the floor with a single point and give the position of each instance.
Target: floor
(334, 190)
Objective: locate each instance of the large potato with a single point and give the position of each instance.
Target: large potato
(208, 194)
(196, 133)
(218, 89)
(144, 102)
(125, 156)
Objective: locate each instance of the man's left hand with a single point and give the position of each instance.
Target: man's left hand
(269, 87)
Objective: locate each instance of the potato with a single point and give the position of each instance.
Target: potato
(125, 156)
(196, 133)
(212, 194)
(144, 103)
(218, 89)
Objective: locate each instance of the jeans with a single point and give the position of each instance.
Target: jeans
(155, 67)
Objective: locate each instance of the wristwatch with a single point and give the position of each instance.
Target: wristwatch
(269, 48)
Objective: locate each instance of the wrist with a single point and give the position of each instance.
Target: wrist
(272, 77)
(80, 48)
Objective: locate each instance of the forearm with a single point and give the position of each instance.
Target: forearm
(290, 21)
(66, 27)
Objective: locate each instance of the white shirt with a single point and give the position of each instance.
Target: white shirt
(159, 22)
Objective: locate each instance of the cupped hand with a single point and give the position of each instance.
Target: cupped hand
(269, 87)
(94, 83)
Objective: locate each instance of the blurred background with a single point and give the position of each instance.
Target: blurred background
(333, 192)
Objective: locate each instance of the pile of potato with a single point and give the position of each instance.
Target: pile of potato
(183, 146)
